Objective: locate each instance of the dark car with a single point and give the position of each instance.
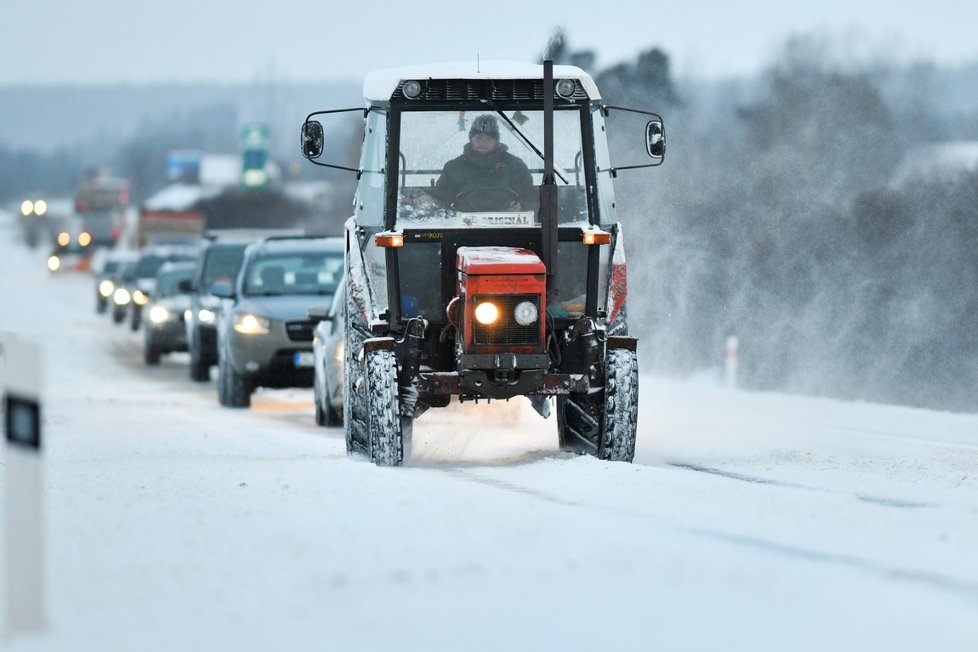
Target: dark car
(143, 281)
(164, 331)
(121, 296)
(327, 348)
(105, 276)
(219, 262)
(71, 252)
(265, 333)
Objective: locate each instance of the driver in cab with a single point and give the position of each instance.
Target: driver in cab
(486, 177)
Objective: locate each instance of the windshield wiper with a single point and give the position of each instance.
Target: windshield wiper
(527, 142)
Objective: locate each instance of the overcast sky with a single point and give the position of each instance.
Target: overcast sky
(109, 41)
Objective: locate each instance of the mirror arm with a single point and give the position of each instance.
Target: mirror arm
(336, 167)
(605, 108)
(615, 170)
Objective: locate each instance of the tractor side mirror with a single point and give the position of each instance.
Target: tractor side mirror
(655, 139)
(312, 142)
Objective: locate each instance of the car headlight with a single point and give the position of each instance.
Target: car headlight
(206, 316)
(106, 288)
(121, 297)
(525, 313)
(54, 263)
(249, 324)
(486, 313)
(140, 297)
(158, 314)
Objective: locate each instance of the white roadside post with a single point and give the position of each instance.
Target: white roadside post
(20, 384)
(730, 366)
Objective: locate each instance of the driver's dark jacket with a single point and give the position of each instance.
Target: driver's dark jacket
(497, 169)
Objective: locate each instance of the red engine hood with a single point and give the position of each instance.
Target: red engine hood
(498, 260)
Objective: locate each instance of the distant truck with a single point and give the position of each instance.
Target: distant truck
(170, 217)
(101, 202)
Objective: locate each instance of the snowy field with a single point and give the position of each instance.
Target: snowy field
(747, 522)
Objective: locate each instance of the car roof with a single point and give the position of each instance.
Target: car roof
(164, 251)
(299, 245)
(184, 267)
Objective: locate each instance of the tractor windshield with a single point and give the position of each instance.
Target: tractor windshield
(484, 168)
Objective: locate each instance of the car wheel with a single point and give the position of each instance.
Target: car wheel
(332, 416)
(151, 351)
(317, 394)
(237, 388)
(199, 370)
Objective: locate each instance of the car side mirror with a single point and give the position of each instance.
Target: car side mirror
(655, 139)
(318, 314)
(222, 290)
(313, 141)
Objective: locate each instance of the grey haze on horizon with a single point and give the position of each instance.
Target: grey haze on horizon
(110, 41)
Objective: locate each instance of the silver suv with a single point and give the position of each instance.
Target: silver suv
(264, 337)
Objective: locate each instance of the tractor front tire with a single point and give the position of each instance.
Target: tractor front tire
(620, 419)
(383, 418)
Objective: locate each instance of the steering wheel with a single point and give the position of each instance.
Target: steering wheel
(488, 198)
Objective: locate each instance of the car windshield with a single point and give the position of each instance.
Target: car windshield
(150, 264)
(296, 273)
(440, 186)
(222, 264)
(170, 282)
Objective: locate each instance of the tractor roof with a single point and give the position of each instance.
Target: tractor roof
(379, 85)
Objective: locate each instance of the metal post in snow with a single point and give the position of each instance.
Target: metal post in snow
(21, 407)
(730, 366)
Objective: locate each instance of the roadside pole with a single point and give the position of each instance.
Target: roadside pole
(730, 365)
(20, 384)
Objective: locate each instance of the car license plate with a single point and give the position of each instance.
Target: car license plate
(304, 359)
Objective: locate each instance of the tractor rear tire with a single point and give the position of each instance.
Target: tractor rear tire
(383, 417)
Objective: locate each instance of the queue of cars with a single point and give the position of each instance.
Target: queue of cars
(261, 309)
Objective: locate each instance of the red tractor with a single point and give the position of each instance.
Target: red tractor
(484, 258)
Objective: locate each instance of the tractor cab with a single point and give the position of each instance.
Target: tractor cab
(484, 256)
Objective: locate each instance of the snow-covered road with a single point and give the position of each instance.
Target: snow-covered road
(748, 521)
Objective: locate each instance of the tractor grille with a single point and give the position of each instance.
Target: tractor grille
(489, 89)
(300, 331)
(506, 331)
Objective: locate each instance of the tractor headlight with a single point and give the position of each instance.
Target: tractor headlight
(140, 297)
(106, 288)
(54, 263)
(206, 316)
(249, 324)
(525, 313)
(158, 314)
(486, 313)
